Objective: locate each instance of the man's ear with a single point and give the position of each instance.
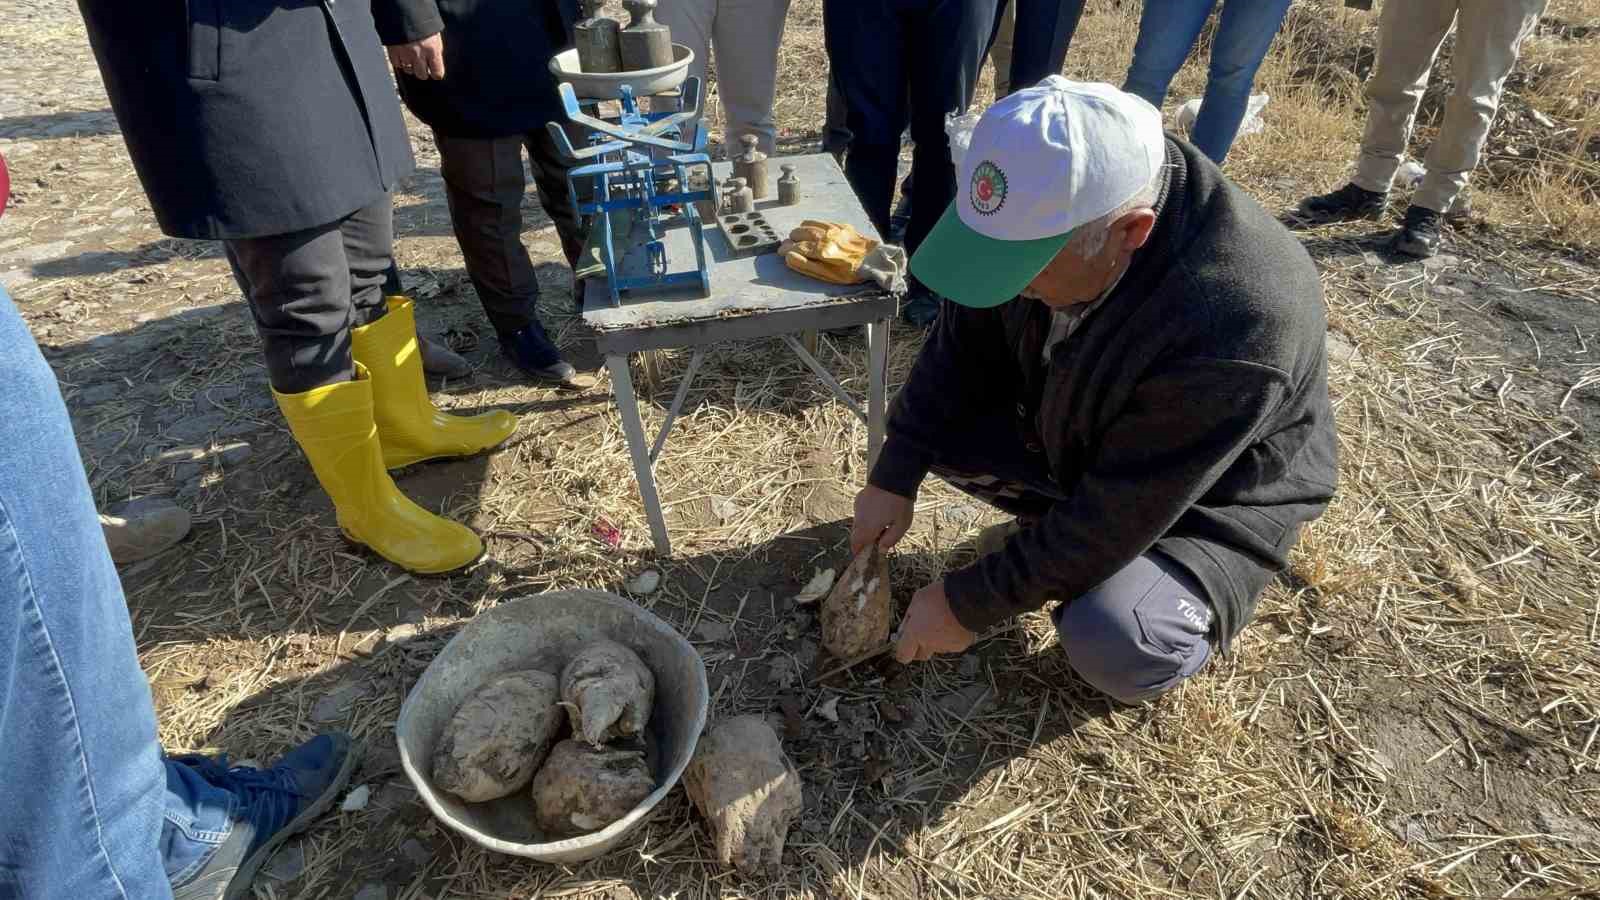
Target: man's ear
(1132, 230)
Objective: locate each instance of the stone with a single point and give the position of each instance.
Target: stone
(335, 704)
(231, 455)
(287, 864)
(1442, 261)
(645, 583)
(401, 633)
(357, 799)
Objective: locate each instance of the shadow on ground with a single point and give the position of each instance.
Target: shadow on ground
(908, 745)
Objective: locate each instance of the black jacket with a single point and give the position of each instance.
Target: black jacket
(1188, 413)
(247, 118)
(497, 79)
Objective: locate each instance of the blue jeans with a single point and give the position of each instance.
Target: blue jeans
(92, 809)
(1167, 32)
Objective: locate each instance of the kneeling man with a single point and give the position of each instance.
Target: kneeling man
(1134, 367)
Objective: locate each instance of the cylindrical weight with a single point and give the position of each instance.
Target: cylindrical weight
(646, 43)
(599, 40)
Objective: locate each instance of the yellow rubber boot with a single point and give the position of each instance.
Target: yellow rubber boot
(334, 426)
(409, 426)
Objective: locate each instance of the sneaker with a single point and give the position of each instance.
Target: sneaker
(1347, 204)
(921, 306)
(273, 805)
(532, 351)
(1420, 233)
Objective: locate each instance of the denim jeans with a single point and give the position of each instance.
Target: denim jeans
(1168, 31)
(91, 807)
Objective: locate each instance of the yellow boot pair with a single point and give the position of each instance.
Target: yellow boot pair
(354, 432)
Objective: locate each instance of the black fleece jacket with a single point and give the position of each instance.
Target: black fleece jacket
(1189, 413)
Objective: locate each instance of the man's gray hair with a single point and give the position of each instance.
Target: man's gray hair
(1089, 238)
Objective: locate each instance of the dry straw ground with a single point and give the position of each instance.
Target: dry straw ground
(1415, 712)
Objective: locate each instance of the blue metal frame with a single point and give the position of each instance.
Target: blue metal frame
(638, 153)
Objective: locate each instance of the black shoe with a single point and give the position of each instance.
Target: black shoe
(921, 306)
(1347, 204)
(532, 351)
(1419, 234)
(273, 805)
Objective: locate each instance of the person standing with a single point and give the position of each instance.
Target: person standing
(274, 129)
(1030, 42)
(1488, 40)
(94, 808)
(745, 35)
(900, 63)
(487, 93)
(1168, 30)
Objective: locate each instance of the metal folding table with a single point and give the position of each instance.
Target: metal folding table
(751, 297)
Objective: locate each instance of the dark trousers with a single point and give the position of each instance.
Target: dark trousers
(900, 62)
(307, 289)
(1044, 30)
(484, 184)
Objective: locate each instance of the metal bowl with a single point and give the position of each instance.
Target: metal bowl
(542, 632)
(608, 85)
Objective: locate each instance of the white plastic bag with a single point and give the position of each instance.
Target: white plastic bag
(1189, 110)
(959, 129)
(1410, 174)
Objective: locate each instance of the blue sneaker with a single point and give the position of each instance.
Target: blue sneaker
(532, 351)
(272, 805)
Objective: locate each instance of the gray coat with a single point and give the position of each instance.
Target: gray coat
(248, 118)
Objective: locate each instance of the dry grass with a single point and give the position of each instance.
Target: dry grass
(1415, 712)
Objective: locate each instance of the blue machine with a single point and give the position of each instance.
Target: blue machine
(642, 169)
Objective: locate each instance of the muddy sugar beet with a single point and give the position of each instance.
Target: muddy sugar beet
(857, 614)
(608, 692)
(499, 736)
(583, 788)
(743, 783)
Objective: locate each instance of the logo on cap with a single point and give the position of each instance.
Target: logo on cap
(988, 188)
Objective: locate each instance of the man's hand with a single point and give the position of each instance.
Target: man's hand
(930, 627)
(422, 59)
(880, 516)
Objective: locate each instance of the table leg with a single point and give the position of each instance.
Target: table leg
(639, 450)
(811, 341)
(877, 387)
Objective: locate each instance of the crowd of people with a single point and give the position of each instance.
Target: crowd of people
(1125, 351)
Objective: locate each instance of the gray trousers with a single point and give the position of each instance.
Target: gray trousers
(307, 289)
(745, 36)
(484, 185)
(1135, 636)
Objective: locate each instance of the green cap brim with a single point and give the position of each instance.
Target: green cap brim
(968, 268)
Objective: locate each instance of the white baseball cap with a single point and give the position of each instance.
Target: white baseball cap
(1041, 162)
